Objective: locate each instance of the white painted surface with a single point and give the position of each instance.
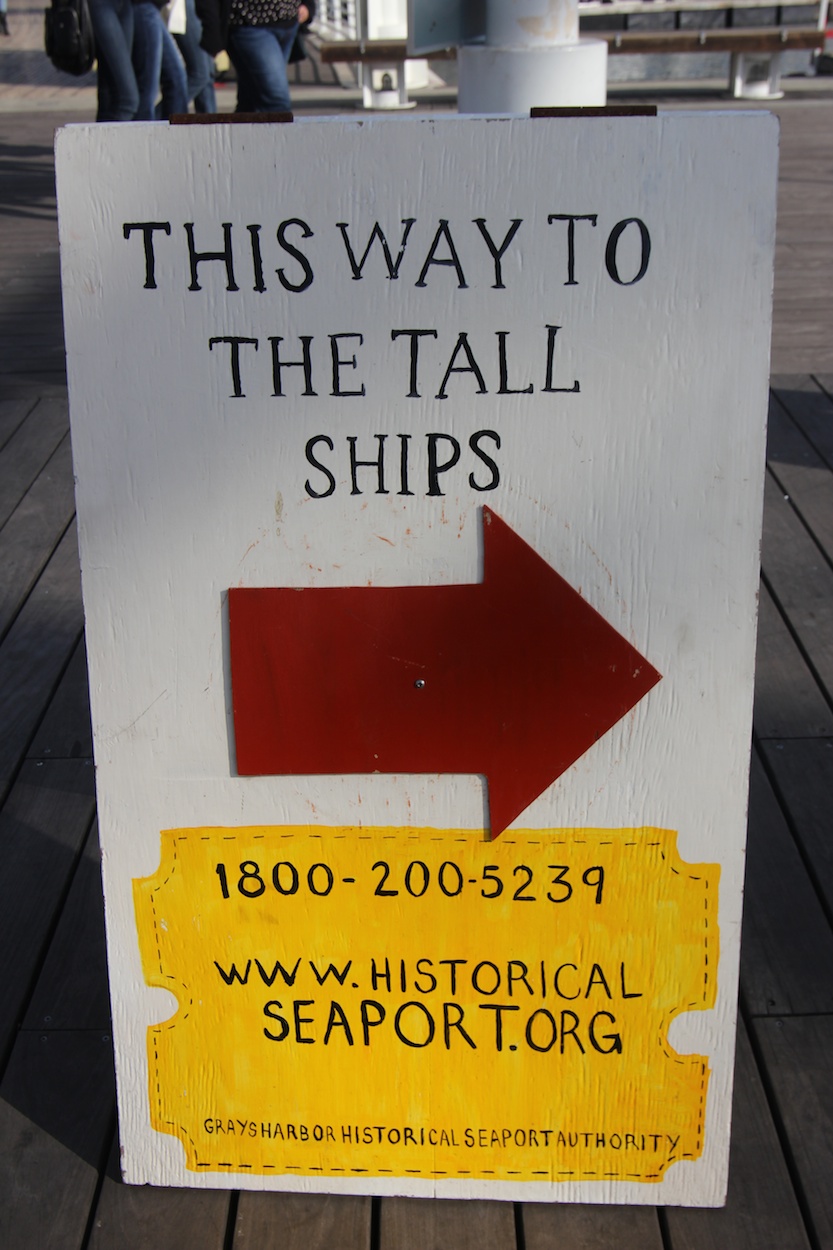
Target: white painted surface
(531, 23)
(643, 489)
(515, 80)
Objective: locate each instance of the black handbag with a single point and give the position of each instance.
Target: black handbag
(298, 51)
(68, 36)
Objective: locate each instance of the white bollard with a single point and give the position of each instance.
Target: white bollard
(533, 57)
(531, 23)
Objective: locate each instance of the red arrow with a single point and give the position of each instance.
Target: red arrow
(514, 677)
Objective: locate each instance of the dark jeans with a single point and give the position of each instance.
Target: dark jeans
(260, 54)
(155, 56)
(199, 66)
(118, 91)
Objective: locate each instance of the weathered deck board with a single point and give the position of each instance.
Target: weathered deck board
(799, 1059)
(798, 424)
(761, 1212)
(787, 940)
(803, 774)
(28, 449)
(71, 992)
(789, 702)
(139, 1218)
(12, 413)
(811, 407)
(43, 825)
(589, 1228)
(35, 652)
(302, 1222)
(33, 530)
(802, 311)
(801, 581)
(65, 731)
(413, 1224)
(56, 1118)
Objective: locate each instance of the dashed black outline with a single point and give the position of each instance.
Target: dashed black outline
(182, 1133)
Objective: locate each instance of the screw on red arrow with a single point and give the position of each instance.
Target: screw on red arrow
(514, 677)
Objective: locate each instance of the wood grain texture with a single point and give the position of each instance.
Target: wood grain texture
(416, 1224)
(65, 731)
(33, 530)
(28, 450)
(799, 1061)
(590, 1228)
(803, 775)
(56, 1116)
(801, 581)
(302, 1222)
(748, 39)
(824, 379)
(810, 406)
(761, 1211)
(787, 942)
(799, 469)
(43, 825)
(803, 312)
(12, 413)
(36, 650)
(140, 1218)
(71, 991)
(789, 703)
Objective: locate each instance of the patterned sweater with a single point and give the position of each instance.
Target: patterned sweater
(264, 12)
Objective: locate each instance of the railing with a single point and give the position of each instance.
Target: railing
(346, 19)
(615, 8)
(338, 19)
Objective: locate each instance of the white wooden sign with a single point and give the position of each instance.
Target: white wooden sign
(419, 473)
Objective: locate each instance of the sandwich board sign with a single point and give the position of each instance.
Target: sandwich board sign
(419, 473)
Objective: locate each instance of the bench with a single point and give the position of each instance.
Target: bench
(756, 42)
(756, 52)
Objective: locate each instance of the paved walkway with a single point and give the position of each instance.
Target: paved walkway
(28, 79)
(58, 1182)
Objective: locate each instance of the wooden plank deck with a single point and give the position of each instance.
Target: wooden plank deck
(59, 1183)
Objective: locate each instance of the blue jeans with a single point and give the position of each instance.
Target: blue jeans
(199, 66)
(118, 91)
(259, 55)
(156, 57)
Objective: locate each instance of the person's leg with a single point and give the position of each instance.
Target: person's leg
(118, 92)
(198, 64)
(259, 54)
(174, 81)
(205, 101)
(147, 57)
(286, 39)
(246, 100)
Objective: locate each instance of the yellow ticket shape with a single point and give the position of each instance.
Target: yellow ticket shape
(400, 1002)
